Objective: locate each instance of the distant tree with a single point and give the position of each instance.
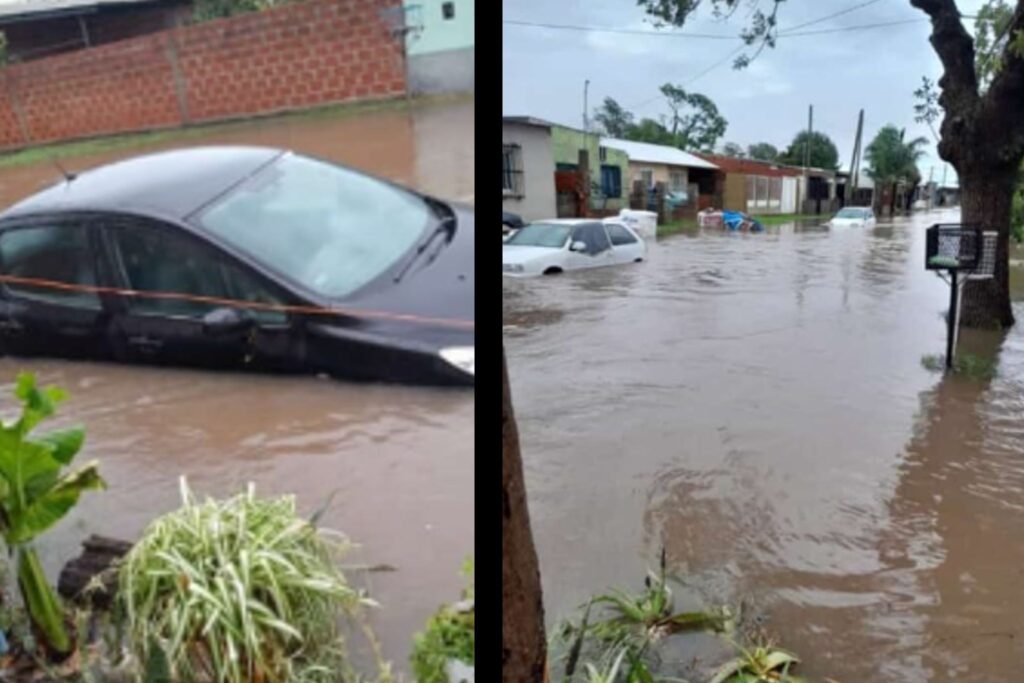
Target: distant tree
(649, 130)
(694, 122)
(613, 119)
(823, 152)
(763, 151)
(204, 10)
(731, 149)
(893, 159)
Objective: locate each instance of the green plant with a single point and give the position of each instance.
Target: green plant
(35, 494)
(967, 365)
(760, 663)
(652, 611)
(450, 634)
(238, 590)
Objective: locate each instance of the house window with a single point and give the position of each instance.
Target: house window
(448, 10)
(602, 154)
(611, 181)
(677, 181)
(512, 171)
(647, 178)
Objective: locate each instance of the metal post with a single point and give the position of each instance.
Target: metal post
(951, 323)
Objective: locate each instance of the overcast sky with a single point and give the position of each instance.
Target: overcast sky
(839, 72)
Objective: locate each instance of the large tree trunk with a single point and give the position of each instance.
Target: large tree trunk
(524, 648)
(987, 196)
(983, 137)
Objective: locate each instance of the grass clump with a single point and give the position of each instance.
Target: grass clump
(967, 365)
(763, 663)
(450, 635)
(237, 590)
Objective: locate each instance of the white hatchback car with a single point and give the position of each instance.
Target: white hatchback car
(557, 245)
(853, 217)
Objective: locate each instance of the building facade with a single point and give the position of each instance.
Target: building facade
(440, 46)
(608, 168)
(528, 168)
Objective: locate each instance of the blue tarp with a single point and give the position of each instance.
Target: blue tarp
(734, 221)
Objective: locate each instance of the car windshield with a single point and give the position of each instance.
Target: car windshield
(328, 228)
(851, 213)
(541, 235)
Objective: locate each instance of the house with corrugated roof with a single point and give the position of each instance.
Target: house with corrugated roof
(757, 187)
(678, 171)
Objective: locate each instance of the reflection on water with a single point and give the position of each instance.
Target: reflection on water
(400, 459)
(757, 404)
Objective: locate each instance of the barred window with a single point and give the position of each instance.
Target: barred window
(512, 170)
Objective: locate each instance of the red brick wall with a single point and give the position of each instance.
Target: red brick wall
(302, 54)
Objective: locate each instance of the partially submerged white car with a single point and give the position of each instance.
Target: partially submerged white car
(557, 245)
(853, 217)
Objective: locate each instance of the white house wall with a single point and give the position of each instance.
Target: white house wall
(538, 198)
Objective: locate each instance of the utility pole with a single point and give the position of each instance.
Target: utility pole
(945, 166)
(807, 151)
(931, 189)
(586, 86)
(855, 158)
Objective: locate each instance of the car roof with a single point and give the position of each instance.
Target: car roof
(171, 183)
(566, 221)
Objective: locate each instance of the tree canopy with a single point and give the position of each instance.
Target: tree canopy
(693, 121)
(823, 152)
(763, 151)
(891, 158)
(732, 149)
(613, 118)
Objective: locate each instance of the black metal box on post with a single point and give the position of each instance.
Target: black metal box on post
(965, 252)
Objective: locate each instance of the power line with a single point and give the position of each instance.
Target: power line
(829, 16)
(691, 80)
(860, 27)
(600, 29)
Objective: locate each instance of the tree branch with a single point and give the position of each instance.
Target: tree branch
(1001, 105)
(955, 48)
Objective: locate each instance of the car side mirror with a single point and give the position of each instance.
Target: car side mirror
(225, 320)
(578, 246)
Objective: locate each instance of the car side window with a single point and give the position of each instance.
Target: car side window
(594, 237)
(58, 253)
(156, 259)
(619, 235)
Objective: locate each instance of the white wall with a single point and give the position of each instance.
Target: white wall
(538, 200)
(788, 195)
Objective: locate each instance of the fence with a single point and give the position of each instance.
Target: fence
(294, 56)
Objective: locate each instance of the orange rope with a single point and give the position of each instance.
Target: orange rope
(236, 303)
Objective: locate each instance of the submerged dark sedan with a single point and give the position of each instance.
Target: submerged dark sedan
(234, 257)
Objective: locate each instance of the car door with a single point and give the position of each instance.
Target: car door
(626, 247)
(179, 281)
(50, 302)
(597, 249)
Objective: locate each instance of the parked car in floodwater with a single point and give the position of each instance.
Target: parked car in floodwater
(853, 217)
(242, 257)
(554, 246)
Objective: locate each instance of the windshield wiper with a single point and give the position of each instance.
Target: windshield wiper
(445, 226)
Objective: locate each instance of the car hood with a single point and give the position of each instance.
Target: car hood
(441, 289)
(512, 253)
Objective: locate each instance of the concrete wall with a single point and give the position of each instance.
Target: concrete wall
(662, 173)
(441, 51)
(294, 56)
(566, 144)
(538, 198)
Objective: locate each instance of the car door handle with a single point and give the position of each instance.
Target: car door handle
(145, 343)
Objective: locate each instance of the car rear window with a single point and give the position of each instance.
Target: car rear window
(328, 228)
(619, 235)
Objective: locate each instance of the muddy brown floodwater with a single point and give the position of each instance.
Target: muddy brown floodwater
(758, 404)
(400, 458)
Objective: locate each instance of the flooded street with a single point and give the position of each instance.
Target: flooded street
(400, 459)
(757, 404)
